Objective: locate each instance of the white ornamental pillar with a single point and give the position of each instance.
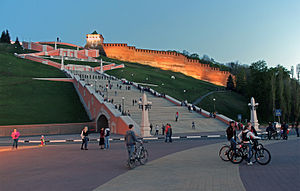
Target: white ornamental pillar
(253, 107)
(55, 46)
(101, 66)
(62, 67)
(145, 125)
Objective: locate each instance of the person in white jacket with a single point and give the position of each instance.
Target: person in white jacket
(245, 136)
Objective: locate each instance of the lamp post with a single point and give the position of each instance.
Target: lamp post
(123, 99)
(214, 99)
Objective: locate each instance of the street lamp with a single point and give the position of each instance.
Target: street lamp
(214, 99)
(123, 105)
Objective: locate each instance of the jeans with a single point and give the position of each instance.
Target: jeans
(168, 137)
(15, 143)
(85, 142)
(130, 149)
(106, 142)
(233, 144)
(249, 152)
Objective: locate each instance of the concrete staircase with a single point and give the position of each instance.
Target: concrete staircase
(161, 112)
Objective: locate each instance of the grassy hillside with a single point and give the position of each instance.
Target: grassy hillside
(228, 103)
(27, 101)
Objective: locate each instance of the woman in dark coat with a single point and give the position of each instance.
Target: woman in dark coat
(101, 142)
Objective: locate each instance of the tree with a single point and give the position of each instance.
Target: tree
(17, 43)
(7, 37)
(230, 84)
(194, 56)
(3, 37)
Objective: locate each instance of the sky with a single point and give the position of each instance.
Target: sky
(227, 30)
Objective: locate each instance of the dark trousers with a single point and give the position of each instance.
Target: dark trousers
(168, 137)
(15, 144)
(84, 142)
(297, 131)
(233, 144)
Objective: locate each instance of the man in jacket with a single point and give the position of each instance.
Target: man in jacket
(231, 135)
(130, 141)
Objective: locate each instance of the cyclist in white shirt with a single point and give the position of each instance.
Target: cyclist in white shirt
(245, 136)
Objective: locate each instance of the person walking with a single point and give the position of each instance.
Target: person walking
(168, 133)
(284, 128)
(163, 128)
(151, 127)
(156, 130)
(130, 141)
(102, 134)
(193, 125)
(176, 116)
(15, 136)
(85, 138)
(106, 138)
(297, 128)
(269, 130)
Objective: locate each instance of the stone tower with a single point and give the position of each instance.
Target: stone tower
(94, 40)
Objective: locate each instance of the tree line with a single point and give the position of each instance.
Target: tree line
(5, 38)
(272, 88)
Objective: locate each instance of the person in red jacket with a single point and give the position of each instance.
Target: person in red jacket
(15, 136)
(168, 133)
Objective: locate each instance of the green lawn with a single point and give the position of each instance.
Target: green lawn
(11, 48)
(27, 101)
(229, 104)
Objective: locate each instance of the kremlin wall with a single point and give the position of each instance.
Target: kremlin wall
(166, 60)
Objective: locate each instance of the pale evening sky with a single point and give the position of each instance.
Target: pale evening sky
(227, 30)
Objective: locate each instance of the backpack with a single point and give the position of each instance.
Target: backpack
(107, 133)
(244, 136)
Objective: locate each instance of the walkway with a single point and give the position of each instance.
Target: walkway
(201, 169)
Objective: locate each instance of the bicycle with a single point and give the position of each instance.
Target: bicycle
(261, 154)
(223, 153)
(140, 155)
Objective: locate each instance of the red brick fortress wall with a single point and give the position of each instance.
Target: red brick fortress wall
(167, 61)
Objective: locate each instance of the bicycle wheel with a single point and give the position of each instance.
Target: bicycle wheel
(223, 153)
(144, 157)
(131, 163)
(235, 157)
(263, 156)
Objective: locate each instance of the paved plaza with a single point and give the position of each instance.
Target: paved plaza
(181, 165)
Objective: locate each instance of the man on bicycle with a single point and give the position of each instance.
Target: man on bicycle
(245, 136)
(130, 140)
(231, 135)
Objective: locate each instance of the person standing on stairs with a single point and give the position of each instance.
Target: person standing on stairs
(176, 116)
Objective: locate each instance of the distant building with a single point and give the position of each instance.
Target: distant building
(94, 40)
